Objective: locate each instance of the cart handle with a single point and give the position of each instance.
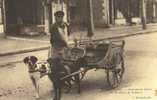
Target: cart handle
(73, 74)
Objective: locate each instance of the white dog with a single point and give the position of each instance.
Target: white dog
(36, 71)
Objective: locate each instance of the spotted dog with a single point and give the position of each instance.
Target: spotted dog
(36, 71)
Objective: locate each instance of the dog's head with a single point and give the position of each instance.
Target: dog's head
(30, 60)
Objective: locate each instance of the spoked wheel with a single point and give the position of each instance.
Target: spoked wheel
(114, 76)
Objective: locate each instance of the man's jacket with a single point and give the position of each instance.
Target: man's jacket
(58, 37)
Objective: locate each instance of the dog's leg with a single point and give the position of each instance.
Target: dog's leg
(37, 89)
(36, 86)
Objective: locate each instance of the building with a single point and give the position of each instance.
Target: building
(105, 12)
(26, 16)
(132, 9)
(79, 12)
(151, 11)
(2, 18)
(126, 10)
(23, 15)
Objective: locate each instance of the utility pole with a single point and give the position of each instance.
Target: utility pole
(68, 17)
(68, 11)
(90, 19)
(48, 15)
(143, 13)
(129, 19)
(4, 17)
(112, 10)
(3, 4)
(154, 10)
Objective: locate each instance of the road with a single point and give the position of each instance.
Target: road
(139, 82)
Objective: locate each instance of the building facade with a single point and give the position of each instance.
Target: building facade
(132, 9)
(2, 18)
(20, 16)
(79, 12)
(105, 12)
(23, 15)
(27, 16)
(151, 11)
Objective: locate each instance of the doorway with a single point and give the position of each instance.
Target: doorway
(23, 13)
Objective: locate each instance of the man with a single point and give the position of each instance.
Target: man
(58, 42)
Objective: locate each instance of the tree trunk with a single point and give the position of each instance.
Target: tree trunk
(129, 13)
(48, 16)
(143, 13)
(154, 11)
(4, 17)
(112, 11)
(90, 19)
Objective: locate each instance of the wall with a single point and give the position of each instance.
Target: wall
(1, 30)
(101, 12)
(2, 19)
(151, 11)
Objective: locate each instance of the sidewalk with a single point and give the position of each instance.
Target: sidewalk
(14, 45)
(118, 32)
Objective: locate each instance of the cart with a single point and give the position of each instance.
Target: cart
(99, 54)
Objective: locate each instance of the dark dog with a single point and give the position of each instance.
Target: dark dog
(36, 71)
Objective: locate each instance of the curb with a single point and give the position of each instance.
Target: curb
(26, 39)
(128, 35)
(24, 51)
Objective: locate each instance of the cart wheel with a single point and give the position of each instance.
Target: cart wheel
(114, 76)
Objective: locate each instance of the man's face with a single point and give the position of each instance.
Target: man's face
(59, 19)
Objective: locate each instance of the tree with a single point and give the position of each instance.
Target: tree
(143, 13)
(90, 24)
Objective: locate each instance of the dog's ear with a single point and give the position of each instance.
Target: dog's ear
(49, 60)
(33, 59)
(25, 60)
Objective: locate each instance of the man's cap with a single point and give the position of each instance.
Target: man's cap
(59, 13)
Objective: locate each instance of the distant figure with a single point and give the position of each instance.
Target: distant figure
(59, 41)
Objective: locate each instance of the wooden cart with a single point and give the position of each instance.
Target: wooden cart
(101, 54)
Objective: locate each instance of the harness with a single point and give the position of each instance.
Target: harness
(41, 67)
